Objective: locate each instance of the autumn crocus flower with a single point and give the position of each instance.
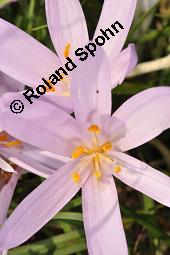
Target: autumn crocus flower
(26, 60)
(96, 142)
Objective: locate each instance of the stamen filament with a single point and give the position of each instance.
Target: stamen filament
(108, 158)
(95, 141)
(94, 130)
(97, 171)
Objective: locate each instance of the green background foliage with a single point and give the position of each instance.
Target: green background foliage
(147, 223)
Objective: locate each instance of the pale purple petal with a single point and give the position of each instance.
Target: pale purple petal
(4, 252)
(5, 166)
(6, 194)
(67, 24)
(41, 205)
(102, 219)
(145, 116)
(55, 156)
(116, 10)
(144, 178)
(63, 102)
(91, 88)
(23, 58)
(123, 64)
(44, 126)
(7, 84)
(31, 160)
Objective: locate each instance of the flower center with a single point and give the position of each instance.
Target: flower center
(98, 152)
(83, 150)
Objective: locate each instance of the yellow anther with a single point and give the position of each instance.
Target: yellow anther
(77, 152)
(117, 169)
(76, 177)
(106, 147)
(94, 129)
(13, 143)
(53, 89)
(67, 50)
(98, 174)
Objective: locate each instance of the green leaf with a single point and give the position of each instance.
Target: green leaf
(62, 244)
(73, 216)
(71, 249)
(143, 219)
(129, 89)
